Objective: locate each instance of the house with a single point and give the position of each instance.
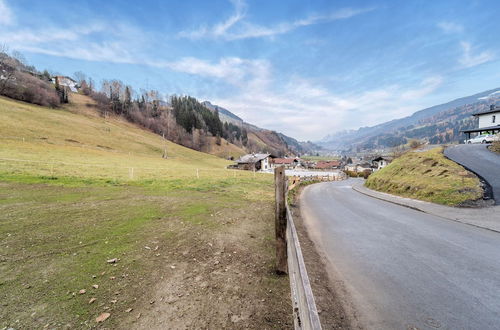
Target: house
(254, 162)
(66, 81)
(489, 122)
(359, 167)
(289, 163)
(327, 165)
(364, 167)
(380, 162)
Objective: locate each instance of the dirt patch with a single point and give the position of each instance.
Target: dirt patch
(216, 280)
(329, 301)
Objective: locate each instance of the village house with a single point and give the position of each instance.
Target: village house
(359, 167)
(67, 82)
(253, 162)
(288, 163)
(489, 122)
(380, 162)
(328, 164)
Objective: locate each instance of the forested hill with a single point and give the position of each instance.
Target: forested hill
(438, 124)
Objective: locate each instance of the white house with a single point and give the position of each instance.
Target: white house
(489, 122)
(380, 162)
(66, 81)
(254, 162)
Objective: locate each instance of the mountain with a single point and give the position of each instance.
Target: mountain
(261, 139)
(224, 114)
(438, 124)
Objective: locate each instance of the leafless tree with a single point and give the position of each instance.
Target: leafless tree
(80, 77)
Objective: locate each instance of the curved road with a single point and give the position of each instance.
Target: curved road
(403, 268)
(480, 160)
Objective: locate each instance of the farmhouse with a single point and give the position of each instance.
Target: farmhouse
(380, 162)
(489, 122)
(326, 165)
(359, 167)
(254, 162)
(289, 163)
(66, 81)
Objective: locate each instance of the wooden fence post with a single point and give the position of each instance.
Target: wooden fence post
(280, 220)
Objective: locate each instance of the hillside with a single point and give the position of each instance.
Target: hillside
(428, 176)
(95, 220)
(438, 124)
(87, 136)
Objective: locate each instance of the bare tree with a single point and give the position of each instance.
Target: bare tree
(80, 77)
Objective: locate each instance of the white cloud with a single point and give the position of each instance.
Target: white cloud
(427, 86)
(303, 108)
(6, 15)
(469, 59)
(450, 27)
(235, 27)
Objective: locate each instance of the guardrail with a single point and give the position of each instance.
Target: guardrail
(304, 308)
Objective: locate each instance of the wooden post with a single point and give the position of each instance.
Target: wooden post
(280, 220)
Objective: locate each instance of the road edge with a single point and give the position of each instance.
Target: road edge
(378, 195)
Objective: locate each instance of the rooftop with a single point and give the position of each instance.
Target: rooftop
(251, 158)
(493, 109)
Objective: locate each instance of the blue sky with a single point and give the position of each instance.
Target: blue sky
(305, 68)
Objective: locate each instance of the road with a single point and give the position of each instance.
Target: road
(402, 268)
(480, 160)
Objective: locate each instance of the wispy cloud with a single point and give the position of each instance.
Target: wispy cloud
(6, 15)
(236, 27)
(470, 59)
(450, 27)
(303, 108)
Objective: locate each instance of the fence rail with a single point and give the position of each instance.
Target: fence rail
(304, 308)
(296, 180)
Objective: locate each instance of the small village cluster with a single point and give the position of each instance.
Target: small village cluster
(264, 162)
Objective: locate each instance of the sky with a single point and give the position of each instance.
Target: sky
(304, 68)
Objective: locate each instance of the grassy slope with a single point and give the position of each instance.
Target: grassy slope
(427, 176)
(69, 202)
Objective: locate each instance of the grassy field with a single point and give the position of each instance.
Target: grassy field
(193, 241)
(427, 176)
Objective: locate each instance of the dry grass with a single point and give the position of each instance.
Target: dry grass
(77, 142)
(427, 176)
(495, 147)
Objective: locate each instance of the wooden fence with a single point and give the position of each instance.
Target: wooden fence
(289, 259)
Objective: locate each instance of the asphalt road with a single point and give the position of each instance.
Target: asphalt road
(402, 268)
(480, 160)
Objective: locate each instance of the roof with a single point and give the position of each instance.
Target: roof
(251, 158)
(378, 159)
(364, 165)
(482, 129)
(493, 109)
(65, 77)
(285, 160)
(327, 164)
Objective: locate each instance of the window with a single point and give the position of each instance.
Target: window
(493, 119)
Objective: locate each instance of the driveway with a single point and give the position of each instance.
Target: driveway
(403, 268)
(481, 161)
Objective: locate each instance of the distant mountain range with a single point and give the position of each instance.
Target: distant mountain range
(438, 124)
(263, 139)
